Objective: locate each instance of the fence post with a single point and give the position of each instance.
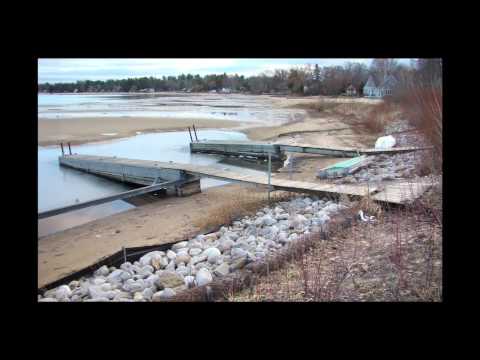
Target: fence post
(191, 139)
(269, 174)
(195, 131)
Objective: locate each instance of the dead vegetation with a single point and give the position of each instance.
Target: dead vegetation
(396, 258)
(245, 201)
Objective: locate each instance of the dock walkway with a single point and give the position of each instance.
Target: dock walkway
(148, 170)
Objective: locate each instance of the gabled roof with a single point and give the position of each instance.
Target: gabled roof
(371, 82)
(389, 81)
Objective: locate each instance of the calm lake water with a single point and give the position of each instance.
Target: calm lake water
(60, 186)
(238, 107)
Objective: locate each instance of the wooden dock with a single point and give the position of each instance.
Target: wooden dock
(146, 170)
(261, 149)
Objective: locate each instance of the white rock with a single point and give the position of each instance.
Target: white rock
(171, 255)
(103, 271)
(63, 292)
(213, 254)
(100, 299)
(115, 276)
(198, 259)
(73, 284)
(48, 299)
(98, 281)
(203, 277)
(195, 251)
(238, 252)
(222, 269)
(147, 293)
(226, 245)
(151, 280)
(179, 245)
(170, 266)
(211, 250)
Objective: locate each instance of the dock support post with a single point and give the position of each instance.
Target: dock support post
(269, 174)
(124, 254)
(61, 145)
(195, 131)
(191, 139)
(69, 149)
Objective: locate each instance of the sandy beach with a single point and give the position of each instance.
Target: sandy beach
(89, 129)
(172, 219)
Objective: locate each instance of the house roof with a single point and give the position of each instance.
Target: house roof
(388, 81)
(371, 82)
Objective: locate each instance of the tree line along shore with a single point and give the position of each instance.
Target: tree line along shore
(307, 80)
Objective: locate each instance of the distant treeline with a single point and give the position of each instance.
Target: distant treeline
(307, 80)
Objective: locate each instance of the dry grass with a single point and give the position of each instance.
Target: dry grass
(423, 106)
(395, 259)
(320, 106)
(240, 203)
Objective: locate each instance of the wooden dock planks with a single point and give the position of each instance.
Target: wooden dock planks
(397, 192)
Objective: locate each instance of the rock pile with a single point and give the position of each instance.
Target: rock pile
(384, 168)
(159, 275)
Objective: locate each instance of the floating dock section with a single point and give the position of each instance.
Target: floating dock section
(277, 151)
(129, 171)
(246, 149)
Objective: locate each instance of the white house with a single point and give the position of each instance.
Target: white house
(379, 88)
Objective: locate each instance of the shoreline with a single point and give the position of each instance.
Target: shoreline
(171, 218)
(89, 130)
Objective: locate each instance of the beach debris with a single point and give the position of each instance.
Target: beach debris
(365, 218)
(385, 142)
(344, 168)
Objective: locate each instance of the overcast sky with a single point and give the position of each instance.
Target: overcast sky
(71, 70)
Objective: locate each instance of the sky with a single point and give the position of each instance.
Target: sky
(72, 70)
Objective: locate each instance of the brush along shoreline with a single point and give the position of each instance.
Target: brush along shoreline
(160, 275)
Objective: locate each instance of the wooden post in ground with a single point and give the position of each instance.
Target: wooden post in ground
(69, 149)
(195, 131)
(61, 145)
(191, 139)
(269, 174)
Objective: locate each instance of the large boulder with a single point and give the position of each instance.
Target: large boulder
(179, 245)
(163, 294)
(63, 292)
(203, 277)
(170, 279)
(183, 258)
(213, 254)
(195, 251)
(238, 252)
(222, 269)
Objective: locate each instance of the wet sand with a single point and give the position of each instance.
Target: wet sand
(89, 129)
